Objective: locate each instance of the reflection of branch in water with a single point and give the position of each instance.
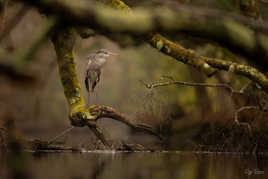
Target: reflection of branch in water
(100, 168)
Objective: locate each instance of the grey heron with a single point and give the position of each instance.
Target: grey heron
(96, 61)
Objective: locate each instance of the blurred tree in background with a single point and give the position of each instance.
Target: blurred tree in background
(221, 46)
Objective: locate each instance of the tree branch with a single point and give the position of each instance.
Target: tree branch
(99, 18)
(176, 51)
(109, 112)
(80, 115)
(14, 66)
(250, 8)
(173, 82)
(244, 70)
(23, 56)
(220, 27)
(215, 26)
(63, 41)
(13, 22)
(9, 71)
(186, 56)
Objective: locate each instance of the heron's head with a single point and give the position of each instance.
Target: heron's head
(103, 53)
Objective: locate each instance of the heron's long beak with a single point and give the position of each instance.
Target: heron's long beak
(114, 54)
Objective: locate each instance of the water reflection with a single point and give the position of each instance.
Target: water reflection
(146, 165)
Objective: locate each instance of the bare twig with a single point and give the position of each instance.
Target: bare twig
(61, 134)
(244, 123)
(173, 82)
(243, 109)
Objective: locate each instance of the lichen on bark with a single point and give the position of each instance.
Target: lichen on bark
(116, 4)
(205, 64)
(63, 41)
(186, 56)
(79, 114)
(250, 8)
(162, 44)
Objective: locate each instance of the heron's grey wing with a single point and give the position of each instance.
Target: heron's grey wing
(98, 75)
(94, 79)
(86, 80)
(88, 74)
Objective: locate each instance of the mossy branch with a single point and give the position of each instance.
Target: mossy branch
(191, 57)
(250, 8)
(180, 53)
(244, 70)
(168, 47)
(80, 115)
(229, 31)
(256, 48)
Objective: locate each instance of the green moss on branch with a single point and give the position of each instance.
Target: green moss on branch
(176, 51)
(116, 4)
(244, 70)
(168, 47)
(205, 64)
(250, 8)
(64, 41)
(80, 115)
(233, 32)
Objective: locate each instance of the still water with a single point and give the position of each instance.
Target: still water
(147, 165)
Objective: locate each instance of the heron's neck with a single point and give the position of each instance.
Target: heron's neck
(100, 61)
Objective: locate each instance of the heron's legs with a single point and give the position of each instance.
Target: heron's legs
(96, 96)
(88, 99)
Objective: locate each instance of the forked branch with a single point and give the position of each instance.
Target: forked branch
(80, 115)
